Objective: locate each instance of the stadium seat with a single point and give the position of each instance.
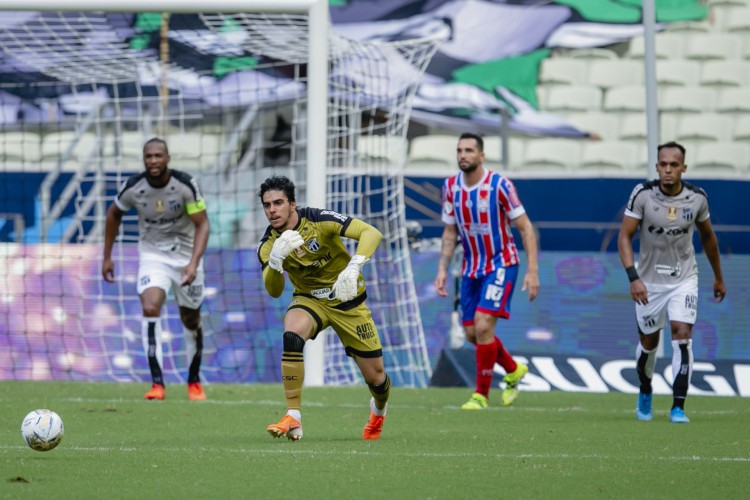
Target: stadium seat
(551, 155)
(609, 156)
(735, 100)
(729, 3)
(604, 125)
(738, 22)
(433, 152)
(132, 145)
(741, 129)
(563, 71)
(193, 150)
(666, 46)
(633, 128)
(571, 99)
(687, 99)
(626, 99)
(616, 73)
(725, 73)
(713, 46)
(382, 148)
(721, 157)
(493, 153)
(678, 72)
(691, 27)
(20, 147)
(704, 127)
(56, 144)
(592, 54)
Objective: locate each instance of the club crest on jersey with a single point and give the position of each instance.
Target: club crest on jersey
(313, 245)
(671, 213)
(687, 214)
(160, 205)
(483, 204)
(174, 205)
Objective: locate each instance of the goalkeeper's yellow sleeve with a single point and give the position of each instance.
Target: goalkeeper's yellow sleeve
(274, 282)
(367, 235)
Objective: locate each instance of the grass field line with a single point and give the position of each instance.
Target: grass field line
(296, 449)
(394, 407)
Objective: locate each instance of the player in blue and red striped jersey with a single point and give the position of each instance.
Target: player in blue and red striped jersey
(478, 206)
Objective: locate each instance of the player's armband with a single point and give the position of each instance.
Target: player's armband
(196, 206)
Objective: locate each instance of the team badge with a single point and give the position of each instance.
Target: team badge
(483, 205)
(160, 205)
(671, 213)
(687, 214)
(313, 245)
(448, 207)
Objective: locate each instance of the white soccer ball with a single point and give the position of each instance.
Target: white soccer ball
(42, 430)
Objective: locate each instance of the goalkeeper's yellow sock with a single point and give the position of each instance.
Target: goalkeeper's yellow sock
(293, 369)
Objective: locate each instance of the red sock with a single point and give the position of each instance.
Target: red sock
(486, 355)
(504, 358)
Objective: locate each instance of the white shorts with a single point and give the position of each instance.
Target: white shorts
(679, 302)
(160, 275)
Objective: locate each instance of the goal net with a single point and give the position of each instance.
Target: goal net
(232, 94)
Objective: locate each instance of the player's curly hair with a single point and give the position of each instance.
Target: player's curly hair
(279, 183)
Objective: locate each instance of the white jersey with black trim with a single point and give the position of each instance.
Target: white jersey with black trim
(667, 254)
(166, 233)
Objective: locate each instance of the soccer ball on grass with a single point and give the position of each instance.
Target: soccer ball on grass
(42, 430)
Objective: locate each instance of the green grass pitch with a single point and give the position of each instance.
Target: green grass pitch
(547, 446)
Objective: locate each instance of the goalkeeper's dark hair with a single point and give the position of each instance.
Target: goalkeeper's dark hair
(476, 137)
(279, 183)
(158, 141)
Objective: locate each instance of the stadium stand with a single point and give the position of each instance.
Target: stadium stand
(437, 152)
(721, 157)
(572, 99)
(678, 72)
(565, 71)
(614, 73)
(609, 156)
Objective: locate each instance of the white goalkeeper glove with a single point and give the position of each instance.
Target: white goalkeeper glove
(288, 242)
(345, 288)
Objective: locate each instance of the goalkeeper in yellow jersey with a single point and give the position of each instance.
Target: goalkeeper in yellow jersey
(328, 291)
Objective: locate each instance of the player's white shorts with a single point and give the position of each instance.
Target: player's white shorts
(162, 275)
(679, 302)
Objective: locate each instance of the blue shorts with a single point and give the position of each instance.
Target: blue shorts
(490, 294)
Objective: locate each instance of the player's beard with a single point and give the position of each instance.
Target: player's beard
(469, 168)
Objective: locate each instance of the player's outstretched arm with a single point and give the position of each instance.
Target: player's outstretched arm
(711, 247)
(530, 246)
(447, 249)
(111, 227)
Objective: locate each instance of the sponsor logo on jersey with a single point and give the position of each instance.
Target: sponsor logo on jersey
(335, 215)
(478, 229)
(667, 270)
(321, 293)
(671, 213)
(145, 280)
(313, 245)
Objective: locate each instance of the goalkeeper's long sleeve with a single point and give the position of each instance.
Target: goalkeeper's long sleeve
(367, 236)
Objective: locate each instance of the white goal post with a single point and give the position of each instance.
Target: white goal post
(341, 109)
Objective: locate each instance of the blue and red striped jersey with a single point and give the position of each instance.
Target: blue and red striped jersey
(483, 213)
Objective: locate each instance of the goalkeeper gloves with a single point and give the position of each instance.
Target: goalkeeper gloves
(345, 288)
(285, 244)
